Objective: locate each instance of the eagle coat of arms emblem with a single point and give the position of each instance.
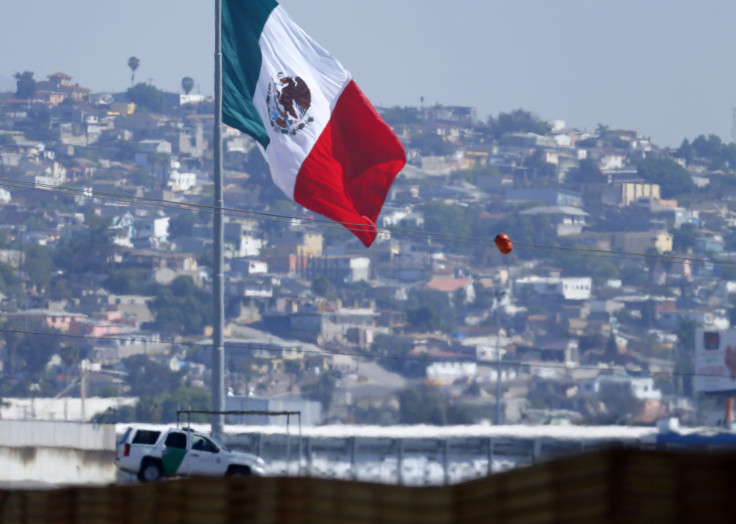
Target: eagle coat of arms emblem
(288, 101)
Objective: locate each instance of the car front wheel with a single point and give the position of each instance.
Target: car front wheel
(238, 471)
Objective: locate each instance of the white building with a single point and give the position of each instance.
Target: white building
(568, 288)
(250, 246)
(446, 373)
(157, 228)
(641, 387)
(179, 181)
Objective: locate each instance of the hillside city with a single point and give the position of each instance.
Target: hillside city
(622, 249)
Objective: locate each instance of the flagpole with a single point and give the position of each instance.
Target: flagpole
(218, 290)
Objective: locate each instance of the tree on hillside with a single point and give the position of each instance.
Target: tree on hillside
(446, 219)
(432, 144)
(147, 97)
(538, 167)
(524, 228)
(673, 179)
(611, 350)
(400, 115)
(127, 281)
(684, 237)
(181, 307)
(182, 225)
(26, 355)
(429, 310)
(133, 64)
(586, 172)
(601, 130)
(425, 405)
(423, 318)
(320, 286)
(7, 277)
(719, 155)
(685, 151)
(38, 265)
(147, 377)
(322, 390)
(707, 147)
(685, 352)
(86, 251)
(517, 121)
(25, 85)
(187, 84)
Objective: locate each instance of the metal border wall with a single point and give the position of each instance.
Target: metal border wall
(612, 486)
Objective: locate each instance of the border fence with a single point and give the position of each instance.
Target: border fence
(605, 486)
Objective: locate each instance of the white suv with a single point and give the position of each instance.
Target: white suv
(152, 452)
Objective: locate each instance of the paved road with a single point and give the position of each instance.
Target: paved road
(373, 380)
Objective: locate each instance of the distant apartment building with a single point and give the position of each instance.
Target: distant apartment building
(643, 241)
(627, 193)
(345, 325)
(59, 320)
(339, 269)
(547, 196)
(566, 220)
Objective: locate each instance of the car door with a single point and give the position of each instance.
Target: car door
(206, 458)
(174, 453)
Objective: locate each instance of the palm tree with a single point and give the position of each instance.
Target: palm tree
(133, 63)
(601, 129)
(187, 83)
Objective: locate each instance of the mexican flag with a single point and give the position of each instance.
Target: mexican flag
(326, 145)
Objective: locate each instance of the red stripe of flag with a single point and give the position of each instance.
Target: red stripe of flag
(351, 167)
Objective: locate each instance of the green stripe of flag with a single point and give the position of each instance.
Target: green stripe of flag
(242, 24)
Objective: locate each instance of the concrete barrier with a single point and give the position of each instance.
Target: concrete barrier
(57, 452)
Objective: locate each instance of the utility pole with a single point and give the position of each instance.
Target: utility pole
(498, 297)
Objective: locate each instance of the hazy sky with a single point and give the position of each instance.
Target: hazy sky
(661, 67)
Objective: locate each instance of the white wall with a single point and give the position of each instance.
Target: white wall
(57, 452)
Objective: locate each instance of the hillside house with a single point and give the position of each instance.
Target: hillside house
(338, 269)
(642, 242)
(565, 220)
(58, 320)
(560, 288)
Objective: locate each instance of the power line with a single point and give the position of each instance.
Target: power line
(412, 358)
(330, 224)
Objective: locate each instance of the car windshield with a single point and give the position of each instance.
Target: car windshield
(222, 446)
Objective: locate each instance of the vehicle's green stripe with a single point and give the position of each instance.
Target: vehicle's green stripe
(172, 459)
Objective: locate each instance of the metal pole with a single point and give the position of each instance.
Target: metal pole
(446, 461)
(218, 293)
(353, 468)
(300, 445)
(400, 462)
(490, 456)
(498, 367)
(288, 446)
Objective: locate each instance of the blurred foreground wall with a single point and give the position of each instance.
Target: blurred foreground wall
(57, 452)
(612, 486)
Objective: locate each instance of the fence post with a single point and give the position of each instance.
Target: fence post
(400, 461)
(445, 460)
(490, 456)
